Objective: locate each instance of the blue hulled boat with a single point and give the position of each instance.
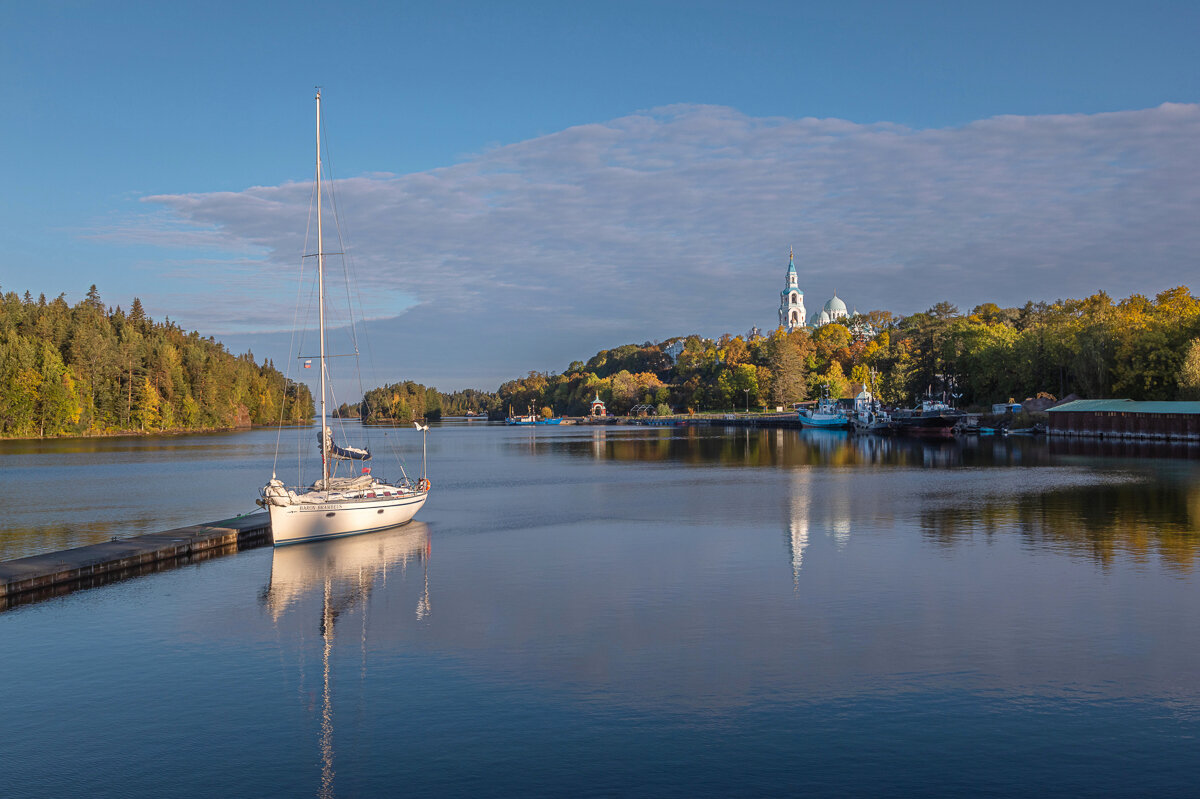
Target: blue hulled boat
(827, 416)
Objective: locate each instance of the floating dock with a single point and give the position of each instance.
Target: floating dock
(55, 573)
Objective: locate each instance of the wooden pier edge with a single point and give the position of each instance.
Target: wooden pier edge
(38, 577)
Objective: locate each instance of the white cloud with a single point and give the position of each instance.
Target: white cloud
(678, 220)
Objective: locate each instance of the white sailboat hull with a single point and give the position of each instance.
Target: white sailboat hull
(295, 524)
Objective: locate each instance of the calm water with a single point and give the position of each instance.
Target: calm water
(626, 611)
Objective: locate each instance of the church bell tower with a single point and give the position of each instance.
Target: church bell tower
(791, 300)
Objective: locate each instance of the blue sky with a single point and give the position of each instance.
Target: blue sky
(525, 183)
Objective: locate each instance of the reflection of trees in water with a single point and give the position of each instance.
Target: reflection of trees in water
(20, 542)
(737, 446)
(740, 446)
(1102, 521)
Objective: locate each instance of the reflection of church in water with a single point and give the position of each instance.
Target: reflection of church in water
(819, 506)
(823, 501)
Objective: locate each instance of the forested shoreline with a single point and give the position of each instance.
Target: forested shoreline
(1139, 348)
(90, 370)
(85, 369)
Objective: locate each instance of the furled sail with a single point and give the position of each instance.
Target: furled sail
(343, 453)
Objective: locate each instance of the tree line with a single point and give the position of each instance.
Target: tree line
(1096, 347)
(407, 401)
(85, 369)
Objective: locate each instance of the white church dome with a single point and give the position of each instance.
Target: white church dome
(835, 306)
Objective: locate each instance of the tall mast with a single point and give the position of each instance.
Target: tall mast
(321, 303)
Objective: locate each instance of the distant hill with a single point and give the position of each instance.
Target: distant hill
(88, 370)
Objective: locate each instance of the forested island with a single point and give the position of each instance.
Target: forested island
(1139, 348)
(85, 369)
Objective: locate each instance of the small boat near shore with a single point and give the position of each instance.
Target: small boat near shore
(531, 418)
(1036, 430)
(520, 421)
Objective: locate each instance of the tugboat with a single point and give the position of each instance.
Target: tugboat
(932, 418)
(868, 416)
(826, 416)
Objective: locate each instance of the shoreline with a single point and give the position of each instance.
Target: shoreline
(147, 433)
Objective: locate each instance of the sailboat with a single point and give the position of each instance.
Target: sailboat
(336, 506)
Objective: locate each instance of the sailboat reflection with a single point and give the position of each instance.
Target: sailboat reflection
(343, 572)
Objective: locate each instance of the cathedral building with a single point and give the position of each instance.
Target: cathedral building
(791, 304)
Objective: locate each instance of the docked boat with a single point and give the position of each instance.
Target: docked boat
(530, 418)
(869, 416)
(872, 420)
(338, 504)
(525, 419)
(932, 418)
(826, 416)
(1037, 430)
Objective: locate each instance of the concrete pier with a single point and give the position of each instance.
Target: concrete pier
(52, 574)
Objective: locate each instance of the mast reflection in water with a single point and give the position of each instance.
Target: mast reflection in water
(343, 572)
